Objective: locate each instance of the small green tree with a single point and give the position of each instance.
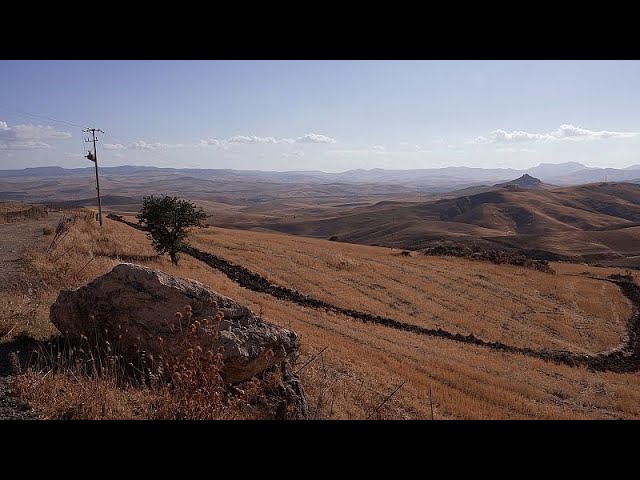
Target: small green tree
(167, 219)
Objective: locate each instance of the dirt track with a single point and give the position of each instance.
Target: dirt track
(625, 358)
(13, 238)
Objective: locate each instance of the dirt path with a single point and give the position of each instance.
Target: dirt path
(14, 237)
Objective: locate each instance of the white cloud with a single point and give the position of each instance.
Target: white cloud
(517, 136)
(25, 145)
(215, 143)
(404, 144)
(570, 131)
(255, 140)
(565, 132)
(293, 154)
(480, 140)
(252, 139)
(514, 150)
(211, 142)
(142, 145)
(314, 138)
(368, 152)
(378, 148)
(28, 136)
(37, 132)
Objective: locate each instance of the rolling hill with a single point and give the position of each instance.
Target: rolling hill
(604, 216)
(349, 366)
(494, 209)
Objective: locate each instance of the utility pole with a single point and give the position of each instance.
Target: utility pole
(94, 158)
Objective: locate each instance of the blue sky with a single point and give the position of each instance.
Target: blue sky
(321, 115)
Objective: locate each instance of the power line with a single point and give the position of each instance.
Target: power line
(157, 151)
(36, 115)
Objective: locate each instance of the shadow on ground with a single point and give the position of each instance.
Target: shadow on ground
(11, 408)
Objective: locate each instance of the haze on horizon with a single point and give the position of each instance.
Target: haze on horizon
(321, 115)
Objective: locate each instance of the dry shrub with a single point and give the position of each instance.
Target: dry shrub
(66, 396)
(89, 383)
(342, 262)
(80, 383)
(20, 212)
(197, 389)
(81, 250)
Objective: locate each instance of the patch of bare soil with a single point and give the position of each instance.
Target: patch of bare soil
(14, 237)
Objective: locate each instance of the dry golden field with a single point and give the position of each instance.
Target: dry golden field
(363, 362)
(518, 306)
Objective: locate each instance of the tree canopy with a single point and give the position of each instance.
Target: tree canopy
(167, 221)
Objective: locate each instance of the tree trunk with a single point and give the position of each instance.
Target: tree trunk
(174, 257)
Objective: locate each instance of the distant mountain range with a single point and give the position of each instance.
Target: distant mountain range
(428, 180)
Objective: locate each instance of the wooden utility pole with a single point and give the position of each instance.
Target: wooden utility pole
(94, 158)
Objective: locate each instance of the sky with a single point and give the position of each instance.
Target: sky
(321, 115)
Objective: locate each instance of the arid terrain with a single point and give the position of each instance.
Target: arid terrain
(293, 239)
(577, 311)
(598, 223)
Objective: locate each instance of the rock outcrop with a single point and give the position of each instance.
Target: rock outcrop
(134, 309)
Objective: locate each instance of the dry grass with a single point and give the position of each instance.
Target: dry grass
(60, 383)
(342, 262)
(11, 212)
(495, 302)
(71, 397)
(364, 363)
(90, 382)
